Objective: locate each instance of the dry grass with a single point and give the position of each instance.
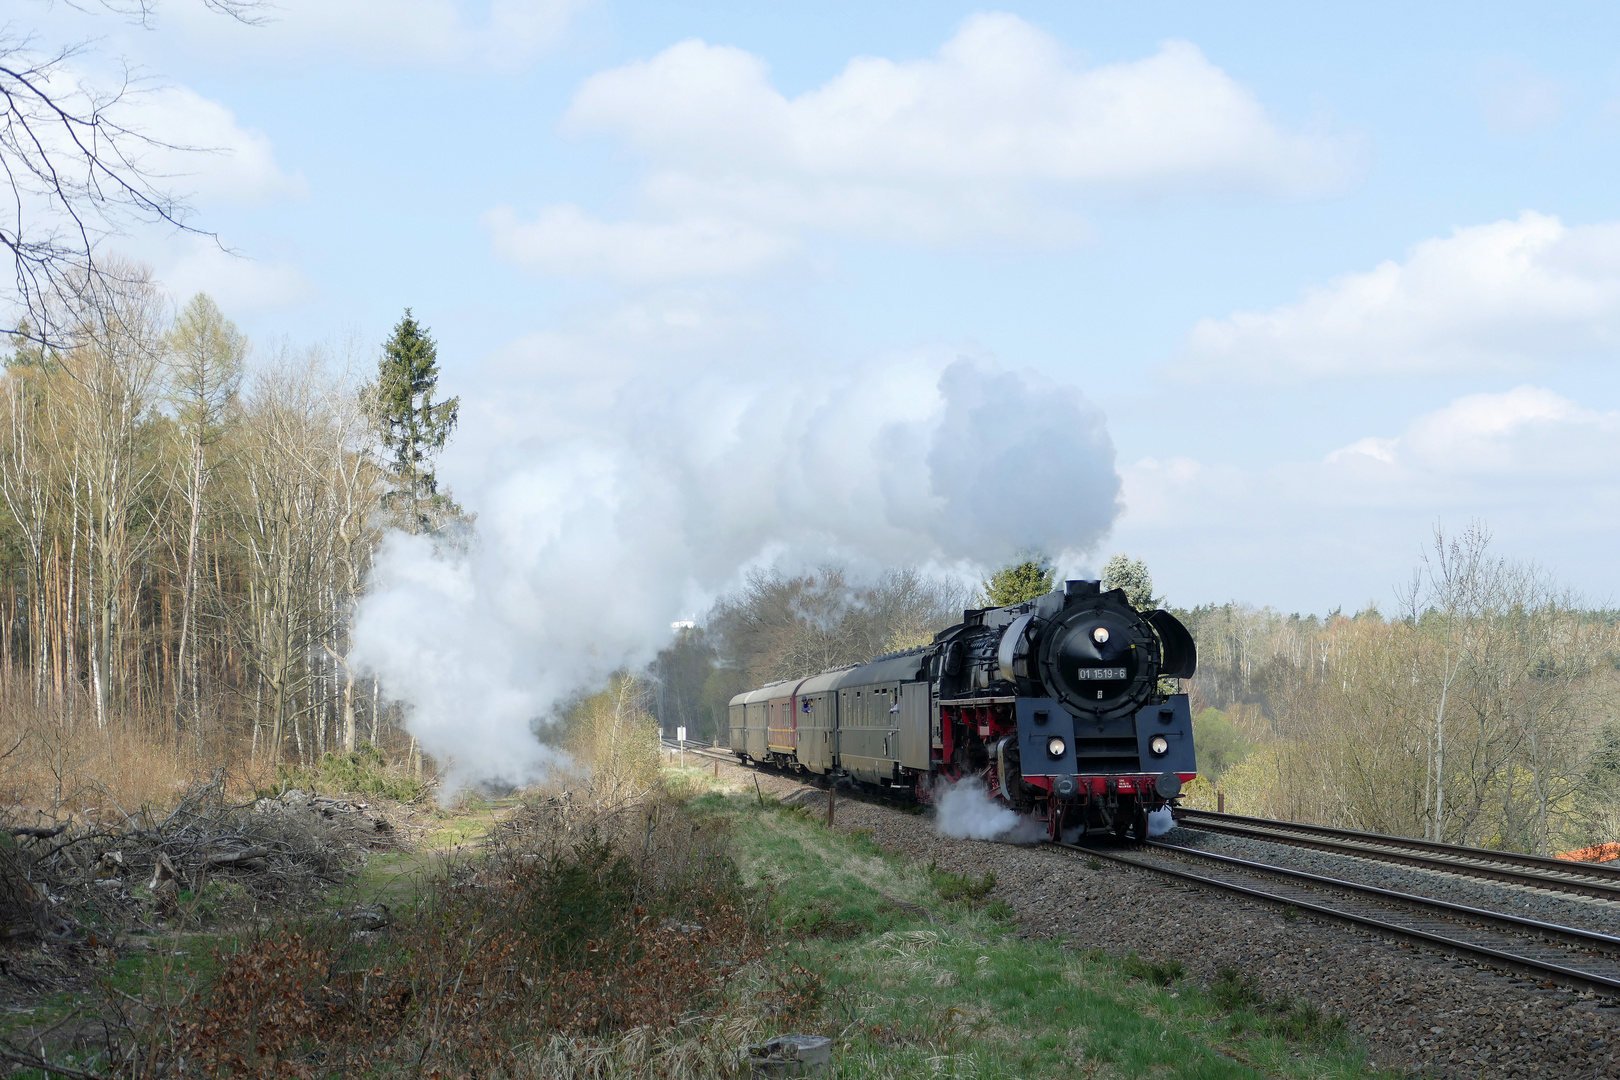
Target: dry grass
(57, 763)
(54, 768)
(589, 939)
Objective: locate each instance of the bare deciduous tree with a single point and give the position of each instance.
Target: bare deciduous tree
(74, 156)
(205, 357)
(112, 364)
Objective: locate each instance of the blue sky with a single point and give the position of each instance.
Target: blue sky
(1331, 276)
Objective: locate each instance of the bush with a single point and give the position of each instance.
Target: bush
(616, 738)
(581, 921)
(365, 771)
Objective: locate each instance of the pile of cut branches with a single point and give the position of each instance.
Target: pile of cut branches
(578, 922)
(57, 880)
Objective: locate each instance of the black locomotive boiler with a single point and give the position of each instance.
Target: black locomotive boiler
(1057, 704)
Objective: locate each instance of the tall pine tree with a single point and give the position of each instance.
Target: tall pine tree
(413, 427)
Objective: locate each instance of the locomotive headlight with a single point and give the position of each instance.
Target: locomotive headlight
(1159, 745)
(1055, 747)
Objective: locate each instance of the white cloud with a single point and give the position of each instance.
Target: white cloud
(1542, 470)
(1503, 296)
(217, 160)
(237, 283)
(175, 138)
(1528, 432)
(500, 33)
(988, 143)
(1372, 447)
(565, 241)
(1002, 101)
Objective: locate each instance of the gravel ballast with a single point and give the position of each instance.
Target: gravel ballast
(1413, 1009)
(1568, 909)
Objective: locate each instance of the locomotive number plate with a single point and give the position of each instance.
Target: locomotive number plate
(1100, 673)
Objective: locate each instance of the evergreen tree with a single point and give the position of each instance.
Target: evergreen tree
(1124, 572)
(27, 352)
(1016, 582)
(413, 427)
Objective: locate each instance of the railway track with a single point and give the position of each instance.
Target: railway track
(1535, 871)
(1543, 951)
(699, 749)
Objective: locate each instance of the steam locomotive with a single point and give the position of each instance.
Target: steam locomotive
(1055, 704)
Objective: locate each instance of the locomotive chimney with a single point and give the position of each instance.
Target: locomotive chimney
(1073, 589)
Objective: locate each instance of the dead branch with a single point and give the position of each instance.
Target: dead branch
(34, 1061)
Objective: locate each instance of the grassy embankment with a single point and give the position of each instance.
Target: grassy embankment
(921, 973)
(657, 937)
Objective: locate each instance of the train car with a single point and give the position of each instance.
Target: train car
(1058, 705)
(749, 721)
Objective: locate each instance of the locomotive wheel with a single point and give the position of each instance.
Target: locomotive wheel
(1139, 822)
(1122, 826)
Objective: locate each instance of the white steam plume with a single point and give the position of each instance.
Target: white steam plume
(591, 543)
(967, 812)
(1161, 821)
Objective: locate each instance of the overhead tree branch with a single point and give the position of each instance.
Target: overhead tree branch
(71, 158)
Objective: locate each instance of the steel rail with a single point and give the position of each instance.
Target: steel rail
(703, 749)
(1514, 858)
(1524, 965)
(1512, 868)
(1568, 935)
(1462, 949)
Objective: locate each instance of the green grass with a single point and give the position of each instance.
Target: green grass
(914, 974)
(914, 970)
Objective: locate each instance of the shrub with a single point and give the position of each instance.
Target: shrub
(365, 771)
(580, 921)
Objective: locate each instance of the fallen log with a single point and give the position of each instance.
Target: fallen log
(231, 858)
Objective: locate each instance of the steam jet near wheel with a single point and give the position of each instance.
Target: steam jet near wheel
(1055, 703)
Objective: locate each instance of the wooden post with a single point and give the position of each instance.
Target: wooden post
(1220, 802)
(832, 788)
(717, 768)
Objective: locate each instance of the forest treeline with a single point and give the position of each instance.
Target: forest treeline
(184, 528)
(1484, 709)
(183, 531)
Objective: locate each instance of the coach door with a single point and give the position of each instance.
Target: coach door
(817, 731)
(914, 721)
